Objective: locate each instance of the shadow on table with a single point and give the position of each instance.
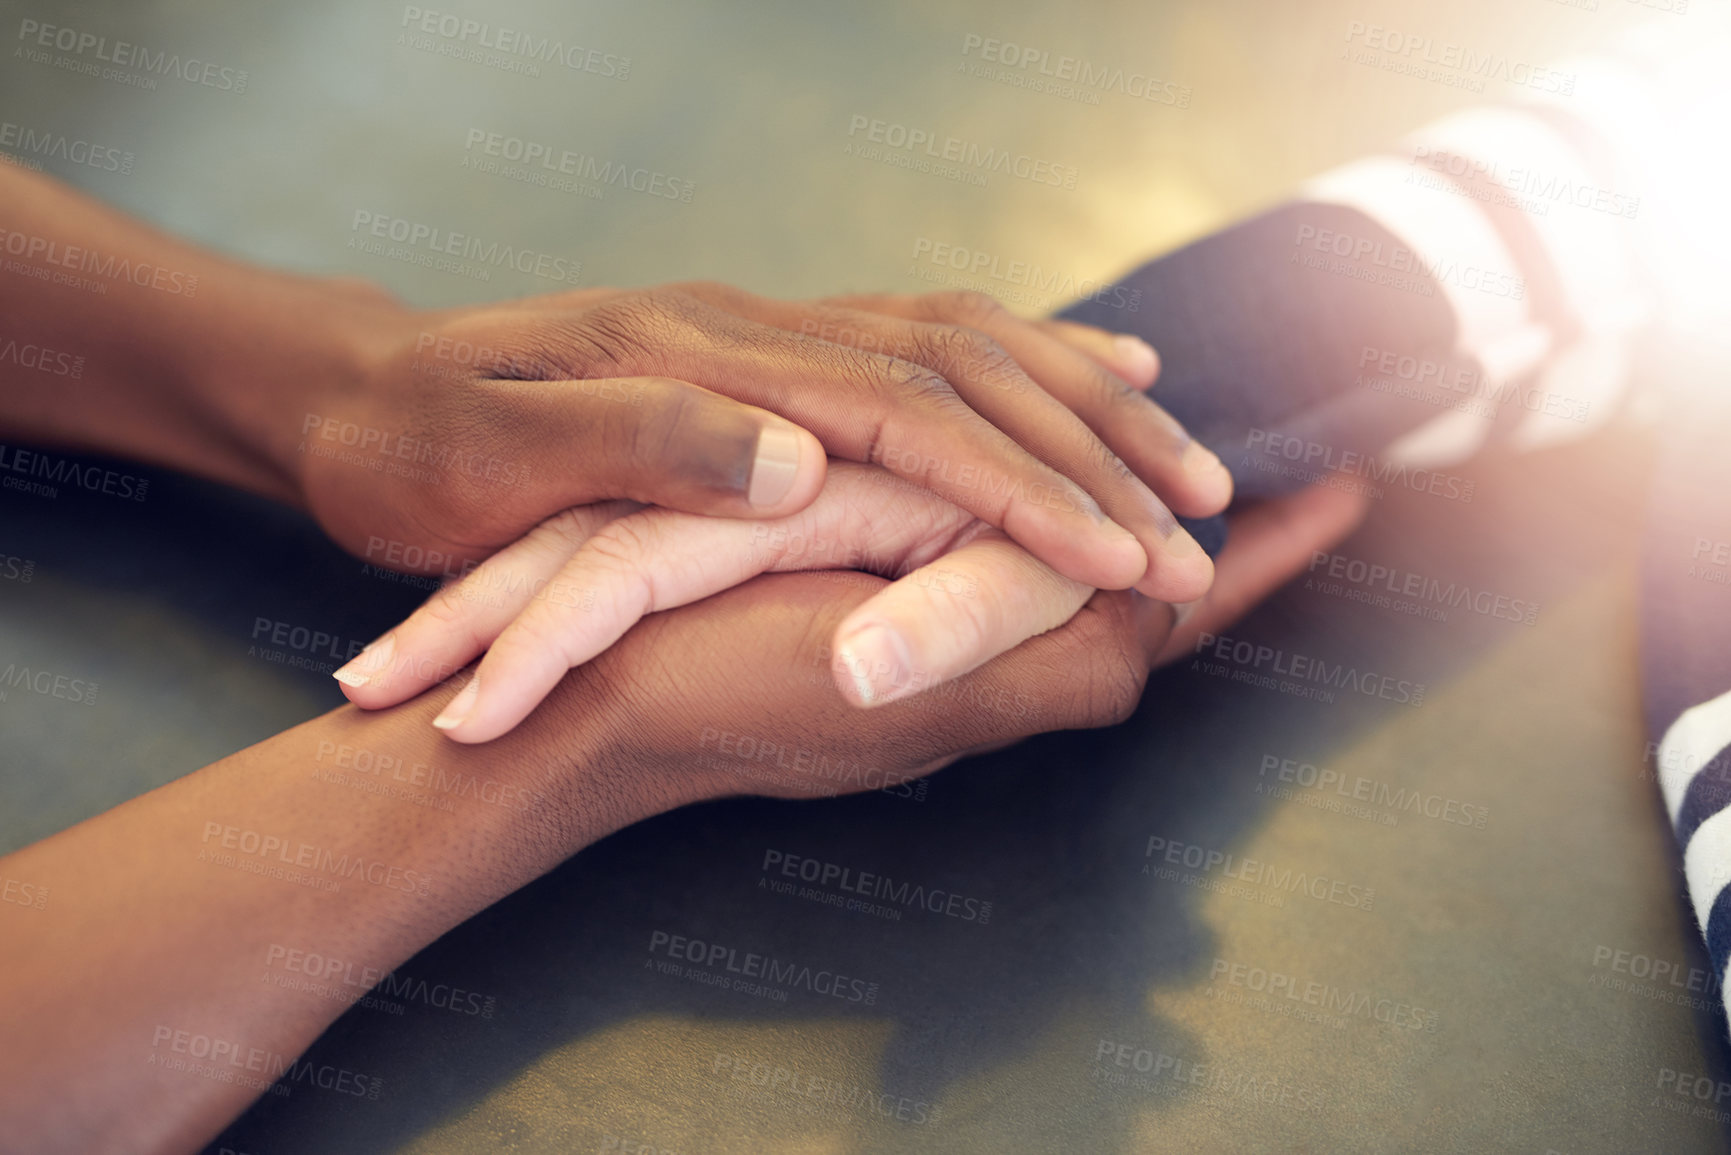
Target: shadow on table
(1053, 832)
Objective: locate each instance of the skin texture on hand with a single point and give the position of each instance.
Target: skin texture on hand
(162, 931)
(482, 422)
(755, 661)
(964, 593)
(425, 441)
(452, 433)
(572, 587)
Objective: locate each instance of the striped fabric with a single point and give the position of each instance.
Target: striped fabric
(1512, 256)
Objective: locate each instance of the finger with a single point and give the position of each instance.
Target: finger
(658, 559)
(654, 440)
(1155, 446)
(1088, 672)
(874, 408)
(462, 619)
(988, 378)
(1271, 543)
(1129, 356)
(949, 617)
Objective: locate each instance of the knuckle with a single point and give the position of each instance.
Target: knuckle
(1113, 691)
(569, 528)
(964, 353)
(1109, 659)
(535, 634)
(971, 624)
(910, 377)
(1114, 397)
(617, 331)
(449, 606)
(965, 307)
(622, 544)
(1104, 461)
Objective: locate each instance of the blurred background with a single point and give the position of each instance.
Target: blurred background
(1498, 995)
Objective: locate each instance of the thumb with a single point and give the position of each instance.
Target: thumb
(663, 442)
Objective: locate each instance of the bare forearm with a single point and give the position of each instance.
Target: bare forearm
(121, 339)
(136, 998)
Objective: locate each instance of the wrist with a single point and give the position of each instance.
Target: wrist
(284, 349)
(580, 756)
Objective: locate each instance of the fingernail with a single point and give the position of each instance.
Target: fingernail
(458, 708)
(1136, 357)
(1200, 461)
(876, 659)
(1182, 547)
(368, 663)
(775, 468)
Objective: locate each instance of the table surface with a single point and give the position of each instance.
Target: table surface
(1486, 998)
